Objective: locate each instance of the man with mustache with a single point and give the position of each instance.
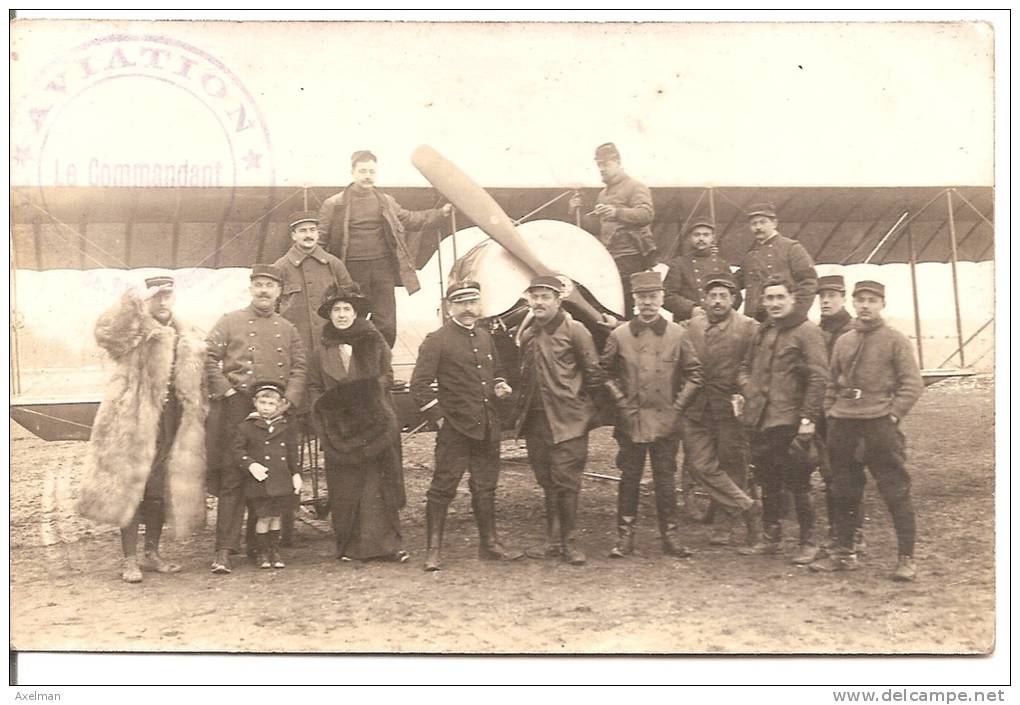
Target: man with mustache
(773, 255)
(376, 239)
(874, 383)
(654, 373)
(685, 281)
(559, 370)
(782, 379)
(461, 359)
(621, 219)
(253, 344)
(715, 442)
(308, 270)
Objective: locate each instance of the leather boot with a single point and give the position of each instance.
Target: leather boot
(553, 545)
(625, 538)
(274, 549)
(771, 543)
(839, 559)
(567, 503)
(671, 545)
(720, 529)
(752, 519)
(435, 521)
(905, 571)
(490, 548)
(131, 573)
(221, 563)
(261, 544)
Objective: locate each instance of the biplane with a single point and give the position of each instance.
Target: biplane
(74, 248)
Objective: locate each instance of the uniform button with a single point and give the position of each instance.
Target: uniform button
(252, 348)
(279, 350)
(251, 322)
(486, 401)
(267, 457)
(251, 335)
(250, 372)
(283, 444)
(478, 366)
(277, 335)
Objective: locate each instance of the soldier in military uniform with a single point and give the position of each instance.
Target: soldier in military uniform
(622, 219)
(653, 374)
(874, 382)
(772, 254)
(688, 272)
(253, 343)
(461, 359)
(835, 321)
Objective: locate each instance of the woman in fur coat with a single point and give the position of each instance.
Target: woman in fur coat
(356, 421)
(146, 454)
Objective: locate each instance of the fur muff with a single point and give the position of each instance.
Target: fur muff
(123, 441)
(356, 422)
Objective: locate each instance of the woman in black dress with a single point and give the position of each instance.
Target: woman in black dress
(357, 424)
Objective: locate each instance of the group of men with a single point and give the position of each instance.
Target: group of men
(770, 387)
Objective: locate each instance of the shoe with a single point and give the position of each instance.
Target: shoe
(221, 564)
(905, 571)
(396, 557)
(496, 551)
(806, 555)
(835, 562)
(625, 538)
(131, 573)
(671, 543)
(153, 562)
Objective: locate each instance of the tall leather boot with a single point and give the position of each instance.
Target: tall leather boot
(435, 521)
(752, 519)
(490, 548)
(808, 551)
(567, 503)
(625, 538)
(553, 541)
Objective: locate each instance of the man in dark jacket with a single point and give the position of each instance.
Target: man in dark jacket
(253, 343)
(368, 230)
(653, 374)
(621, 219)
(559, 369)
(783, 379)
(461, 359)
(715, 442)
(874, 382)
(835, 321)
(772, 254)
(688, 272)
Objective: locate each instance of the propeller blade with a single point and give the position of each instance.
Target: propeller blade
(472, 200)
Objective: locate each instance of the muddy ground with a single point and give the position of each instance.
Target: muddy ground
(66, 593)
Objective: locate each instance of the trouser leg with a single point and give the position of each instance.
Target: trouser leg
(538, 439)
(627, 265)
(230, 505)
(630, 459)
(702, 461)
(154, 516)
(885, 456)
(847, 477)
(770, 451)
(663, 460)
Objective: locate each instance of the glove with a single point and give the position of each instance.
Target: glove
(296, 480)
(258, 471)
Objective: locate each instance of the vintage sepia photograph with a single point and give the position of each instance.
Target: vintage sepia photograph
(490, 337)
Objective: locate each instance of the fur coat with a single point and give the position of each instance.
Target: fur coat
(352, 408)
(123, 442)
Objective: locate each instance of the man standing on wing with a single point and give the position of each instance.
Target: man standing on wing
(461, 359)
(559, 365)
(874, 383)
(376, 239)
(653, 374)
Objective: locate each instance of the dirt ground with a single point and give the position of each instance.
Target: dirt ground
(66, 593)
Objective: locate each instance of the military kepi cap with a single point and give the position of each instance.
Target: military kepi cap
(267, 270)
(869, 285)
(303, 217)
(720, 278)
(159, 280)
(607, 151)
(700, 224)
(834, 282)
(466, 290)
(267, 386)
(546, 282)
(641, 282)
(766, 209)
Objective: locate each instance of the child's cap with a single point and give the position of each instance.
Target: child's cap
(262, 387)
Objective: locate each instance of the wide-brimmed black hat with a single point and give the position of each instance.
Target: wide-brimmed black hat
(351, 294)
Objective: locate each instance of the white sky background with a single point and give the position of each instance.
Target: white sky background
(525, 104)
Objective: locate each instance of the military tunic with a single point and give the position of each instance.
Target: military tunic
(306, 277)
(685, 281)
(780, 256)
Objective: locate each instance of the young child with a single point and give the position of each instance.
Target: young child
(265, 447)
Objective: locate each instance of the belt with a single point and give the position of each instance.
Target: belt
(855, 393)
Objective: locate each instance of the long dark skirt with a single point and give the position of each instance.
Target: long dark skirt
(364, 508)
